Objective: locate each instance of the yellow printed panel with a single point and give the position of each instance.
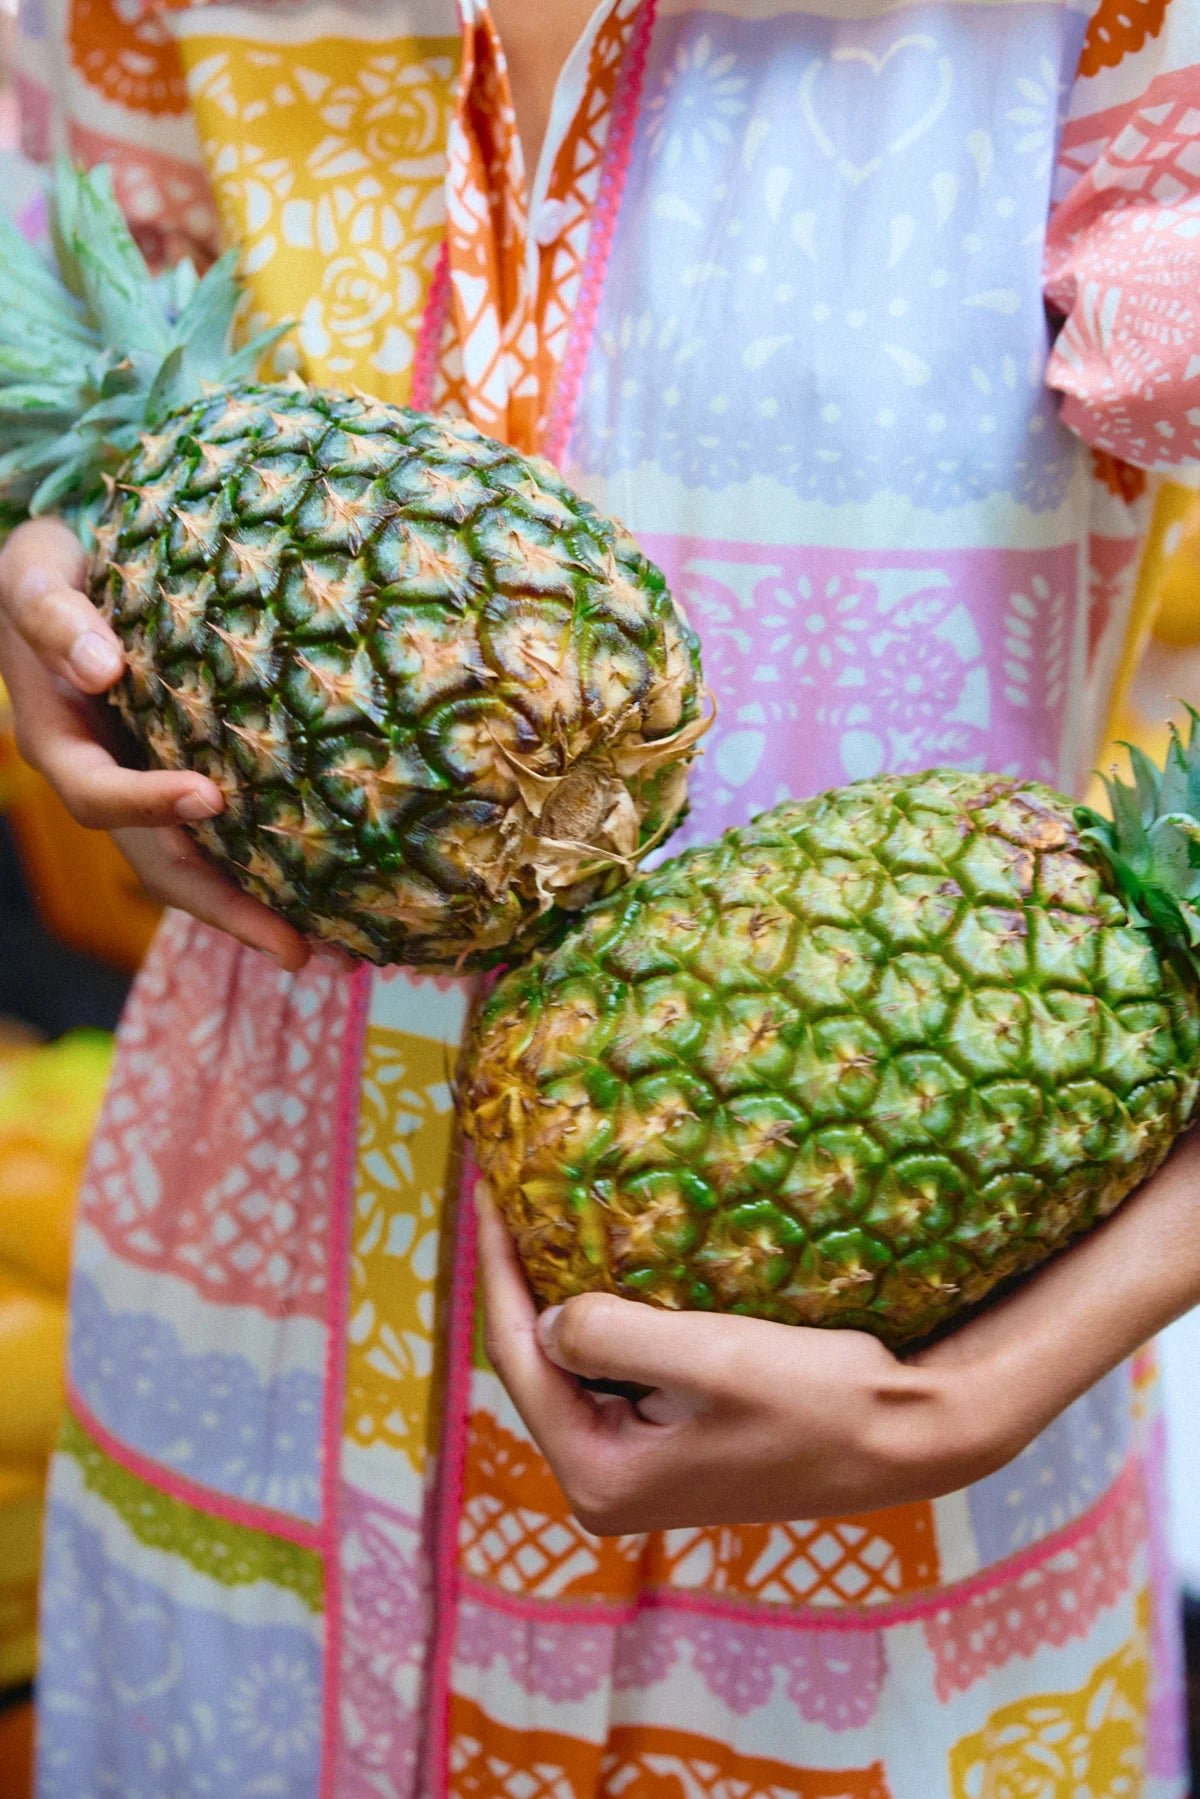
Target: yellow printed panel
(328, 163)
(1063, 1745)
(405, 1162)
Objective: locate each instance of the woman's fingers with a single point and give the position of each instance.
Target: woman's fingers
(537, 1389)
(102, 795)
(42, 569)
(53, 641)
(175, 872)
(61, 735)
(603, 1337)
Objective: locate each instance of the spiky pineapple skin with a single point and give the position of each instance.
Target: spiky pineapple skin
(447, 702)
(854, 1064)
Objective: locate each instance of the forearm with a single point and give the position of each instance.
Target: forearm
(1090, 1308)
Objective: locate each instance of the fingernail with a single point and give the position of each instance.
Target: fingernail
(546, 1323)
(95, 658)
(195, 806)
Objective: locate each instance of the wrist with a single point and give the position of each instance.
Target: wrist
(956, 1423)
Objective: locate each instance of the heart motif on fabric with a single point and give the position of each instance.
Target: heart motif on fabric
(857, 65)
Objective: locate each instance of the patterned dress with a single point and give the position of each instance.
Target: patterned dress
(869, 317)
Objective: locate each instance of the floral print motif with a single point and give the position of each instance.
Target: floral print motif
(238, 1710)
(212, 1417)
(900, 661)
(904, 358)
(223, 1054)
(355, 226)
(1053, 1601)
(124, 50)
(1060, 1745)
(406, 1126)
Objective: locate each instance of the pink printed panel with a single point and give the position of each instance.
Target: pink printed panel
(829, 665)
(1054, 1599)
(383, 1630)
(1123, 267)
(167, 202)
(830, 1678)
(214, 1156)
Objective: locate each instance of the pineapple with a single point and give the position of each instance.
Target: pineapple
(446, 701)
(858, 1062)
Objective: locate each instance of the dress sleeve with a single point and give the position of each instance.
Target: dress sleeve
(1122, 269)
(104, 83)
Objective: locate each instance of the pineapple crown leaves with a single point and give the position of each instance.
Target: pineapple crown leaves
(95, 350)
(1151, 844)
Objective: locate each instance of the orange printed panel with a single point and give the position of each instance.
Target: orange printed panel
(489, 1761)
(517, 1533)
(864, 1560)
(126, 52)
(494, 367)
(486, 225)
(573, 187)
(1120, 28)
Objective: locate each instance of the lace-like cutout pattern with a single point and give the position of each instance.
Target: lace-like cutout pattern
(831, 1678)
(1048, 1604)
(232, 1554)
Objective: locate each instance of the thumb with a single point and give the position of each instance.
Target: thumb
(602, 1337)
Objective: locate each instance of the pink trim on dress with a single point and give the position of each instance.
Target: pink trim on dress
(242, 1512)
(429, 334)
(341, 1212)
(447, 1578)
(1124, 1491)
(618, 153)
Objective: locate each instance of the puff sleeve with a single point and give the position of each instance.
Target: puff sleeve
(1122, 270)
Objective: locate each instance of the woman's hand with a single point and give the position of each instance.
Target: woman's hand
(747, 1422)
(751, 1422)
(56, 654)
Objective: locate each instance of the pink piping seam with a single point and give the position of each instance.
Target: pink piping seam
(200, 1498)
(334, 1402)
(429, 334)
(456, 1404)
(618, 152)
(813, 1618)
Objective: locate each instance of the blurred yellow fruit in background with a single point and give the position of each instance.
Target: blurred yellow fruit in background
(49, 1097)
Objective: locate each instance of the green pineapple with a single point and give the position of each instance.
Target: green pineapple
(858, 1062)
(447, 702)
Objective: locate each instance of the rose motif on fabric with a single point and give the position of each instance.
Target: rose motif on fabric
(392, 113)
(363, 294)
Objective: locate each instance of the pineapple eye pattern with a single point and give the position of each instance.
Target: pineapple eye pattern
(856, 1063)
(447, 702)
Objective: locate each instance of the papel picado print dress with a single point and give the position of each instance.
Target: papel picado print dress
(876, 321)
